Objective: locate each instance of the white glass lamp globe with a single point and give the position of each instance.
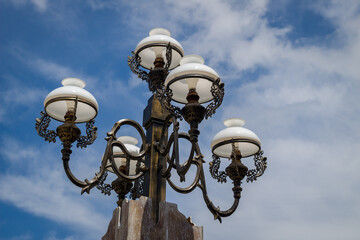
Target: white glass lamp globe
(148, 51)
(247, 141)
(180, 84)
(130, 144)
(58, 102)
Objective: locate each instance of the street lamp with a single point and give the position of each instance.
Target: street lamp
(183, 87)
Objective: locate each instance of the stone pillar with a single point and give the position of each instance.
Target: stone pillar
(134, 222)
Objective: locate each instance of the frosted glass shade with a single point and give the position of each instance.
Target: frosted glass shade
(130, 144)
(148, 53)
(247, 141)
(191, 65)
(62, 99)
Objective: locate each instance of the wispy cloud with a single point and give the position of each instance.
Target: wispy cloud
(49, 69)
(40, 5)
(22, 96)
(45, 196)
(16, 95)
(44, 188)
(53, 236)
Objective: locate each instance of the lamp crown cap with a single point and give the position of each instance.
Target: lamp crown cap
(234, 122)
(159, 31)
(73, 82)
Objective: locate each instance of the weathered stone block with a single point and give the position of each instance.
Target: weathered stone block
(134, 222)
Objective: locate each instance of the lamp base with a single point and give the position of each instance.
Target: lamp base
(193, 113)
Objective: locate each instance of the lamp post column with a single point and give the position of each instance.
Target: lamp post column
(154, 185)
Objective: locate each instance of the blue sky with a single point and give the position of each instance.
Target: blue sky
(290, 68)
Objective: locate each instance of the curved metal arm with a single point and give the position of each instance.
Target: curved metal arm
(113, 142)
(41, 126)
(134, 124)
(216, 210)
(91, 134)
(192, 186)
(164, 148)
(128, 156)
(86, 185)
(182, 169)
(199, 181)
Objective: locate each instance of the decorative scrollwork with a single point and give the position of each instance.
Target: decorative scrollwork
(217, 91)
(164, 95)
(168, 57)
(260, 167)
(87, 185)
(138, 188)
(41, 126)
(141, 185)
(155, 77)
(91, 134)
(134, 64)
(112, 142)
(199, 180)
(214, 166)
(104, 187)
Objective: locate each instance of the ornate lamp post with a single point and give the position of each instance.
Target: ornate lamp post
(183, 88)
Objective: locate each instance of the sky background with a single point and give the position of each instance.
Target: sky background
(291, 70)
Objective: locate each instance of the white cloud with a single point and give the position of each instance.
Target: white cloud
(46, 67)
(34, 184)
(46, 198)
(53, 236)
(50, 69)
(40, 5)
(18, 95)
